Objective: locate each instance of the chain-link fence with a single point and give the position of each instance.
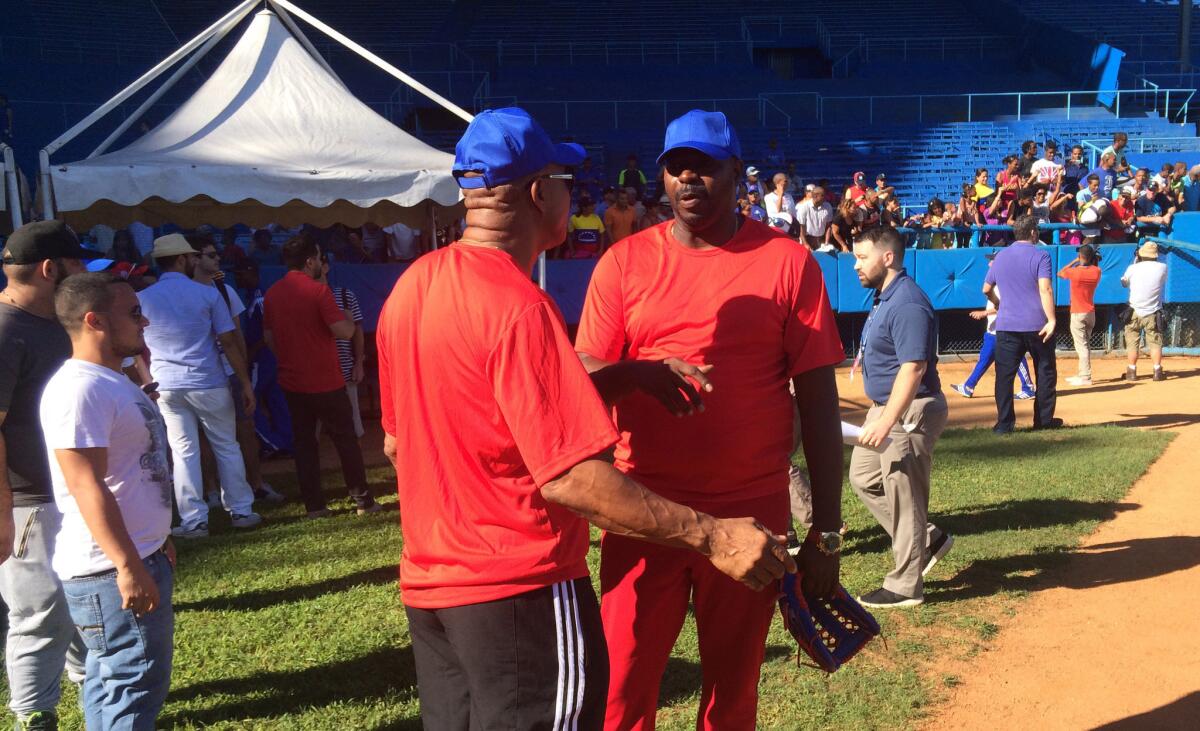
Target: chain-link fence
(961, 334)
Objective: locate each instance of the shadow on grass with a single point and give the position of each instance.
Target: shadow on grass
(1008, 515)
(1022, 444)
(683, 678)
(1157, 421)
(254, 600)
(1179, 714)
(1082, 568)
(384, 673)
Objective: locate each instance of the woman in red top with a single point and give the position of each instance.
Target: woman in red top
(1084, 275)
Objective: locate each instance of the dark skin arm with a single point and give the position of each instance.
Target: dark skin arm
(676, 385)
(821, 438)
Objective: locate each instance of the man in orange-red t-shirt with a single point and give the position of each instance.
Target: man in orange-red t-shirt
(1083, 272)
(496, 432)
(620, 220)
(737, 310)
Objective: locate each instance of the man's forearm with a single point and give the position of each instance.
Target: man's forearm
(601, 494)
(610, 379)
(358, 344)
(821, 439)
(1047, 296)
(235, 356)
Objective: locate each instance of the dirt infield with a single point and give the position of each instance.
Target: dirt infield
(1114, 641)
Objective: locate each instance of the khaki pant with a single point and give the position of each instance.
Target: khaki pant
(799, 488)
(1082, 324)
(894, 485)
(1137, 323)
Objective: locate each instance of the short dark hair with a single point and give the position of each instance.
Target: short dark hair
(1094, 177)
(260, 235)
(885, 237)
(1087, 253)
(1119, 136)
(1025, 228)
(1008, 159)
(1050, 145)
(298, 250)
(1028, 145)
(82, 293)
(200, 242)
(21, 273)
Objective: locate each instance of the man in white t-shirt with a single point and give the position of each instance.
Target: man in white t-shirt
(107, 448)
(814, 217)
(404, 243)
(781, 207)
(1146, 277)
(1047, 170)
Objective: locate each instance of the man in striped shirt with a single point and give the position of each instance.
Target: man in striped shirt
(350, 352)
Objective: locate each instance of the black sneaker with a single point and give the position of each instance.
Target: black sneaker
(1001, 430)
(1055, 423)
(884, 599)
(937, 550)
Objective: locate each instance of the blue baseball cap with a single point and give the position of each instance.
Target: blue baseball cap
(708, 132)
(504, 145)
(100, 265)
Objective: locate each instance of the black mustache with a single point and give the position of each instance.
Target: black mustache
(697, 190)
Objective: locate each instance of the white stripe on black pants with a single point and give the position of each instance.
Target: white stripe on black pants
(533, 661)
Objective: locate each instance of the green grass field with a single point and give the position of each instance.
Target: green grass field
(298, 625)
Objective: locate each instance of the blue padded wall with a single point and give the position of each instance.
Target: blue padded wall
(829, 271)
(1183, 275)
(953, 279)
(567, 282)
(852, 296)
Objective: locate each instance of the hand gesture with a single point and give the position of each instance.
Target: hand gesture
(1047, 331)
(743, 549)
(978, 314)
(675, 384)
(874, 433)
(820, 572)
(139, 593)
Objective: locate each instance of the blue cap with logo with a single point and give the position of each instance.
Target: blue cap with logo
(708, 132)
(503, 145)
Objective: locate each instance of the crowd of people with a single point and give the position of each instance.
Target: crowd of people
(698, 322)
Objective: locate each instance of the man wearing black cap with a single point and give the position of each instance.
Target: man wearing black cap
(710, 315)
(41, 635)
(501, 433)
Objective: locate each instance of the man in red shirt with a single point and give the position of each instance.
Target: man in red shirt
(302, 324)
(500, 434)
(1083, 273)
(735, 310)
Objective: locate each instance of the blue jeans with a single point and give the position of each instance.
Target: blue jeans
(987, 355)
(129, 657)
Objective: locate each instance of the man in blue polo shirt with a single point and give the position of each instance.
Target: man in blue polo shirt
(1025, 323)
(890, 468)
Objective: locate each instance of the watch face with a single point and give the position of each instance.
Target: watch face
(831, 542)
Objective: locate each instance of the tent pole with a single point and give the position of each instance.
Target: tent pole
(145, 79)
(166, 85)
(430, 93)
(433, 230)
(303, 39)
(14, 187)
(45, 187)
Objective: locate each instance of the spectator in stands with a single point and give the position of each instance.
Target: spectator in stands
(639, 208)
(302, 327)
(1092, 208)
(355, 251)
(1022, 206)
(1145, 278)
(271, 419)
(352, 352)
(857, 192)
(987, 353)
(1048, 171)
(374, 241)
(263, 251)
(845, 226)
(231, 254)
(1025, 323)
(752, 181)
(794, 181)
(123, 248)
(403, 243)
(1122, 218)
(773, 155)
(781, 207)
(891, 215)
(588, 180)
(756, 210)
(882, 190)
(632, 177)
(1008, 184)
(1189, 192)
(1046, 204)
(814, 218)
(189, 321)
(620, 220)
(968, 206)
(1083, 272)
(1139, 183)
(1155, 208)
(1117, 150)
(1074, 170)
(609, 200)
(1026, 160)
(585, 230)
(1106, 174)
(1163, 177)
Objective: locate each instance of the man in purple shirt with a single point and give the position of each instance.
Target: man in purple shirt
(1025, 323)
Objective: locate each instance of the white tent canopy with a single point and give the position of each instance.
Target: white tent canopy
(272, 137)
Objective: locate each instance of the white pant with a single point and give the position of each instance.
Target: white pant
(211, 409)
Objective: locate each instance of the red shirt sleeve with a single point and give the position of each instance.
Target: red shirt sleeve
(556, 418)
(328, 307)
(810, 336)
(602, 324)
(383, 357)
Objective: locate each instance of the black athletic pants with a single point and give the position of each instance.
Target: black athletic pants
(332, 409)
(1011, 348)
(533, 661)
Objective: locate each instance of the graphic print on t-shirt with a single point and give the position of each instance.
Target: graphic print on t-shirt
(154, 459)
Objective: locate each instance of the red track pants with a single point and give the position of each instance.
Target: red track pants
(645, 589)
